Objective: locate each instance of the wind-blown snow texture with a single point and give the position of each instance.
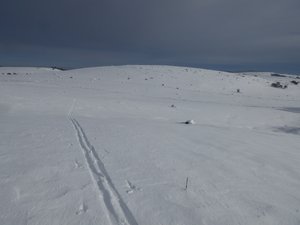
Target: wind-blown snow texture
(110, 145)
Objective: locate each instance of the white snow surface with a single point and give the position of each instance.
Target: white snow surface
(105, 146)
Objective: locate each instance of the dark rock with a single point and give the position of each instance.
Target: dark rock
(189, 122)
(278, 85)
(58, 68)
(295, 82)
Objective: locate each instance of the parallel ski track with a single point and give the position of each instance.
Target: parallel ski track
(116, 210)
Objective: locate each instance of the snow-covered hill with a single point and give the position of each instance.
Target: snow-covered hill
(109, 145)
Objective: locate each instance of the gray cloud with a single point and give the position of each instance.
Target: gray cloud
(159, 31)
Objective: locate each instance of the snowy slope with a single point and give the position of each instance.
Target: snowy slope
(105, 146)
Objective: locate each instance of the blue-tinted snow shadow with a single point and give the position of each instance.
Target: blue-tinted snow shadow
(288, 130)
(291, 109)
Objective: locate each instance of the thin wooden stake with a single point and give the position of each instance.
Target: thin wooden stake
(186, 183)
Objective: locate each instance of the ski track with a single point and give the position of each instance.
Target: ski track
(116, 210)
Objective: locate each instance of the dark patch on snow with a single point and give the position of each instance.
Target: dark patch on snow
(58, 68)
(277, 75)
(295, 82)
(291, 109)
(288, 130)
(188, 122)
(278, 85)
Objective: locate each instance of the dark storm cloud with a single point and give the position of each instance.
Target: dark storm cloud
(154, 31)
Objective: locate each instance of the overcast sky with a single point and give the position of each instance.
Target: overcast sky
(221, 34)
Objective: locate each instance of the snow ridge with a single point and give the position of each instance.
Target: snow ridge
(116, 209)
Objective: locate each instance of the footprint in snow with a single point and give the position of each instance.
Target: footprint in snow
(131, 187)
(78, 164)
(82, 209)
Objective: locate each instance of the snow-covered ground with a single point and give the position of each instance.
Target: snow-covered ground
(109, 145)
